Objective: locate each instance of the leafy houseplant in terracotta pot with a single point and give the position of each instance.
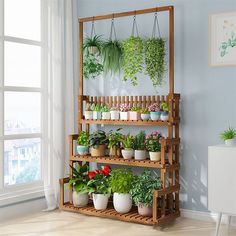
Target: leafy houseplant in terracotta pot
(128, 143)
(97, 114)
(115, 113)
(88, 114)
(154, 111)
(153, 145)
(97, 142)
(164, 111)
(121, 182)
(124, 111)
(229, 137)
(142, 192)
(139, 146)
(114, 142)
(145, 114)
(83, 143)
(79, 182)
(100, 188)
(106, 115)
(134, 113)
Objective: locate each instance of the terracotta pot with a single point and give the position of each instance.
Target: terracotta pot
(98, 151)
(127, 153)
(80, 199)
(155, 156)
(100, 201)
(114, 151)
(134, 115)
(122, 202)
(144, 210)
(88, 115)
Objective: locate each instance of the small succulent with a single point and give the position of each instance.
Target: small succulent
(96, 107)
(154, 107)
(144, 111)
(137, 109)
(105, 109)
(88, 107)
(230, 133)
(114, 108)
(164, 106)
(124, 107)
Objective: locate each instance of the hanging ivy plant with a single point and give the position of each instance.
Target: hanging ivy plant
(132, 58)
(112, 56)
(91, 67)
(154, 49)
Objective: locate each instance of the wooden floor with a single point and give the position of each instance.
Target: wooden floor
(60, 223)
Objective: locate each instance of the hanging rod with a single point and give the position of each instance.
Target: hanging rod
(128, 13)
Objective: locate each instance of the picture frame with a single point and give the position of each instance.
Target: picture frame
(223, 39)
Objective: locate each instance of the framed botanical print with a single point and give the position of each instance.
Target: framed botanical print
(223, 39)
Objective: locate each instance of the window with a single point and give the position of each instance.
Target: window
(22, 106)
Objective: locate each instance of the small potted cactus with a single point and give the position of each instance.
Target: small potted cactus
(145, 114)
(164, 111)
(97, 114)
(124, 111)
(128, 144)
(115, 113)
(106, 115)
(134, 113)
(154, 111)
(88, 114)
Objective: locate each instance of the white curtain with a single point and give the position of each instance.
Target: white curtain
(60, 20)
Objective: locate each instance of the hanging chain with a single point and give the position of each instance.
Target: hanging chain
(113, 30)
(135, 27)
(93, 29)
(156, 26)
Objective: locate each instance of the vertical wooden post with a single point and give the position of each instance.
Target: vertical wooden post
(81, 83)
(171, 50)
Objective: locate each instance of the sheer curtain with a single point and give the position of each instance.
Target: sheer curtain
(60, 20)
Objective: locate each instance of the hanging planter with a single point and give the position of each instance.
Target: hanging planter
(132, 56)
(112, 53)
(154, 50)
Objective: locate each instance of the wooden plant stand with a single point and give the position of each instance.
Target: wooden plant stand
(165, 200)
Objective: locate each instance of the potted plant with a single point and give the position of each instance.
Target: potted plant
(128, 143)
(154, 111)
(115, 113)
(153, 145)
(229, 136)
(99, 186)
(83, 143)
(134, 113)
(97, 142)
(97, 114)
(145, 114)
(93, 45)
(121, 182)
(154, 52)
(88, 114)
(114, 141)
(124, 109)
(112, 56)
(79, 182)
(132, 58)
(142, 191)
(164, 111)
(139, 146)
(106, 115)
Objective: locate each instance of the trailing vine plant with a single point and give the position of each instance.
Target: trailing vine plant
(91, 67)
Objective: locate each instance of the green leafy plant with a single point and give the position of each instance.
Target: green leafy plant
(92, 68)
(144, 111)
(137, 109)
(230, 133)
(88, 107)
(139, 141)
(79, 178)
(132, 58)
(154, 49)
(128, 141)
(164, 106)
(142, 188)
(112, 56)
(83, 139)
(94, 41)
(105, 109)
(121, 180)
(97, 138)
(96, 107)
(114, 138)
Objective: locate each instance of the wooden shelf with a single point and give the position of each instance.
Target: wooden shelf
(110, 213)
(128, 122)
(121, 161)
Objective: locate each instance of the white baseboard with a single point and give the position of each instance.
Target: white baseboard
(207, 216)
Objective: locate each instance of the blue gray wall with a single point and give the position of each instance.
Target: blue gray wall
(208, 94)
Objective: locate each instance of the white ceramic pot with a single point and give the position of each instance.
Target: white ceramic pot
(164, 116)
(115, 115)
(122, 202)
(100, 201)
(127, 153)
(123, 115)
(80, 199)
(97, 115)
(230, 142)
(93, 50)
(145, 116)
(155, 115)
(140, 154)
(88, 115)
(155, 156)
(144, 210)
(106, 115)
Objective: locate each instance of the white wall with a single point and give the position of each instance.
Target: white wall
(207, 94)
